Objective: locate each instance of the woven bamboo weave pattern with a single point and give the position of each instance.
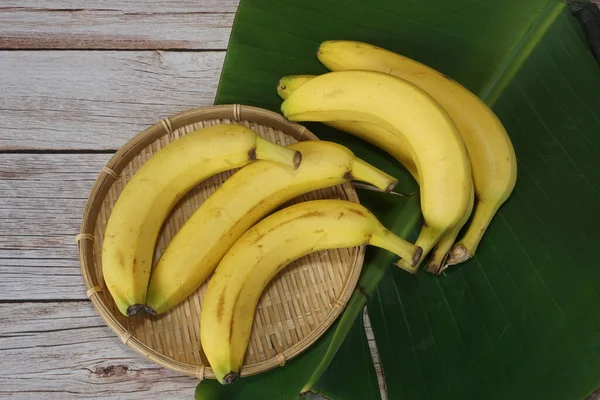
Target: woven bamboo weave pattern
(295, 309)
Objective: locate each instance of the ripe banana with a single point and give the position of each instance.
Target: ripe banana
(442, 250)
(434, 142)
(492, 155)
(156, 187)
(395, 145)
(239, 203)
(268, 247)
(399, 148)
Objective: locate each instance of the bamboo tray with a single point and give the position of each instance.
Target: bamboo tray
(296, 308)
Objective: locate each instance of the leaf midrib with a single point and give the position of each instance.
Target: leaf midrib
(516, 57)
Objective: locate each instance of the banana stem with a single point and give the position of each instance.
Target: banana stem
(373, 273)
(407, 251)
(440, 258)
(361, 171)
(465, 248)
(427, 239)
(437, 264)
(366, 186)
(266, 150)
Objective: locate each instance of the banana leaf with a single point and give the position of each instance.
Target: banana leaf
(286, 382)
(521, 319)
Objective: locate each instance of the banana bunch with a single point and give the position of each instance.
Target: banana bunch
(152, 192)
(249, 195)
(450, 142)
(445, 136)
(264, 250)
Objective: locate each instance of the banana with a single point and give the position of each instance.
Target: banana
(434, 143)
(442, 250)
(146, 200)
(493, 160)
(239, 203)
(395, 145)
(234, 290)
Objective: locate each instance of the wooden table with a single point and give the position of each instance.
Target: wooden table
(78, 79)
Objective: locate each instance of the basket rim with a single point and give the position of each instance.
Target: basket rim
(109, 174)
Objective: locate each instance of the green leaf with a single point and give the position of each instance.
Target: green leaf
(353, 375)
(519, 321)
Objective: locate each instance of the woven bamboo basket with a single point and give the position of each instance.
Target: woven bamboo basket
(296, 308)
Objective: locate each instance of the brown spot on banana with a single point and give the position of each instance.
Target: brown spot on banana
(307, 215)
(357, 212)
(252, 153)
(312, 214)
(234, 305)
(121, 258)
(220, 306)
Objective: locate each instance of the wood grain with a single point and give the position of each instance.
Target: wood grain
(131, 6)
(42, 197)
(112, 24)
(64, 350)
(97, 99)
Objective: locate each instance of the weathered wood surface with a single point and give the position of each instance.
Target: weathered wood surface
(104, 28)
(64, 350)
(97, 99)
(114, 24)
(42, 197)
(131, 6)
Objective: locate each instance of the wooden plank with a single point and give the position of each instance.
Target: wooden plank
(42, 197)
(131, 6)
(64, 350)
(111, 24)
(82, 29)
(97, 99)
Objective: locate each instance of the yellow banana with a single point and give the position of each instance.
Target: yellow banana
(268, 247)
(404, 110)
(493, 160)
(442, 250)
(239, 203)
(146, 200)
(395, 145)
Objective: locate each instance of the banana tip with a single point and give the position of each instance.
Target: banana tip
(297, 160)
(150, 311)
(407, 267)
(417, 256)
(459, 254)
(391, 187)
(230, 378)
(134, 309)
(434, 268)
